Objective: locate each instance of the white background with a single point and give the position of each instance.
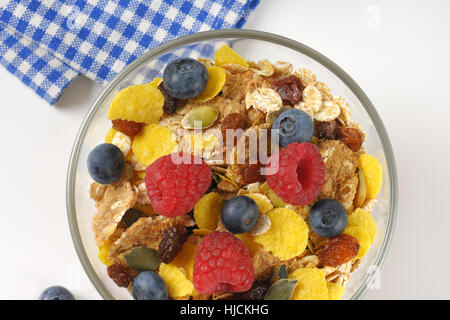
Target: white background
(399, 53)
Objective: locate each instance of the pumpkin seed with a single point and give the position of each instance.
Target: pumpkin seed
(282, 272)
(142, 259)
(281, 289)
(203, 117)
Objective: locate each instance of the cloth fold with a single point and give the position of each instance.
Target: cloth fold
(48, 43)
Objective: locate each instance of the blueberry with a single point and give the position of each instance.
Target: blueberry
(185, 78)
(149, 286)
(56, 293)
(328, 218)
(105, 163)
(293, 125)
(239, 214)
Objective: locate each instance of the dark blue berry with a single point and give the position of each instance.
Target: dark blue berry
(56, 293)
(149, 286)
(328, 218)
(239, 214)
(105, 163)
(185, 78)
(293, 125)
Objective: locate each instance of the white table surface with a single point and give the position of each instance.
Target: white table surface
(399, 53)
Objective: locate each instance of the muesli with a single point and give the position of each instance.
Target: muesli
(233, 179)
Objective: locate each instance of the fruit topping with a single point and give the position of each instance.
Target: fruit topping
(149, 286)
(120, 274)
(294, 126)
(222, 264)
(56, 293)
(172, 243)
(252, 173)
(300, 175)
(130, 128)
(170, 103)
(105, 163)
(339, 250)
(351, 137)
(131, 216)
(185, 78)
(289, 89)
(328, 218)
(174, 189)
(239, 214)
(326, 130)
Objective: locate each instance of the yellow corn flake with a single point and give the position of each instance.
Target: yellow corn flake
(335, 291)
(103, 252)
(177, 282)
(185, 259)
(363, 239)
(363, 219)
(249, 242)
(373, 174)
(311, 284)
(276, 200)
(202, 232)
(287, 236)
(216, 81)
(200, 142)
(141, 174)
(156, 82)
(226, 55)
(139, 103)
(153, 142)
(207, 211)
(110, 135)
(262, 201)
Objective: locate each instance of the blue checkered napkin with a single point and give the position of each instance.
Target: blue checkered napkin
(48, 43)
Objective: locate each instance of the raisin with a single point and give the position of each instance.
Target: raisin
(339, 250)
(130, 128)
(257, 291)
(252, 173)
(232, 121)
(172, 242)
(326, 130)
(289, 89)
(120, 273)
(351, 137)
(170, 103)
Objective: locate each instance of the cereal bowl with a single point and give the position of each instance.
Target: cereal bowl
(253, 45)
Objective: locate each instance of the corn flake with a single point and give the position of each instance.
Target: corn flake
(185, 259)
(103, 252)
(249, 241)
(153, 142)
(363, 219)
(207, 211)
(363, 239)
(335, 291)
(216, 81)
(177, 282)
(226, 55)
(261, 200)
(139, 103)
(110, 135)
(373, 174)
(202, 232)
(287, 236)
(311, 285)
(276, 200)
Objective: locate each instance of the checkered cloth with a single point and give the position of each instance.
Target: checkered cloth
(48, 43)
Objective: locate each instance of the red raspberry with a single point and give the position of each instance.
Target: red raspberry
(300, 175)
(222, 264)
(173, 189)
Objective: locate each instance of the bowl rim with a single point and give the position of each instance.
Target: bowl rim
(236, 34)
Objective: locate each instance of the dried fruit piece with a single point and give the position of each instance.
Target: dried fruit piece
(226, 55)
(352, 138)
(335, 291)
(177, 282)
(339, 250)
(311, 285)
(142, 259)
(326, 130)
(373, 175)
(287, 236)
(362, 237)
(120, 273)
(282, 289)
(131, 216)
(252, 173)
(289, 89)
(170, 103)
(265, 99)
(207, 211)
(172, 243)
(233, 121)
(363, 219)
(153, 142)
(130, 128)
(216, 81)
(200, 117)
(140, 103)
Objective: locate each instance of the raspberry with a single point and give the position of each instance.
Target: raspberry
(222, 264)
(172, 243)
(173, 189)
(300, 175)
(120, 273)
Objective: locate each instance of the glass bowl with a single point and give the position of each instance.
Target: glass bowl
(253, 45)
